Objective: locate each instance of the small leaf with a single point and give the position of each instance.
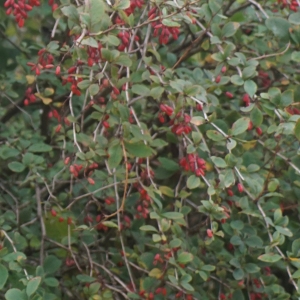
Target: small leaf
(3, 276)
(250, 87)
(110, 224)
(16, 166)
(33, 285)
(295, 18)
(173, 215)
(184, 258)
(166, 191)
(94, 89)
(270, 257)
(230, 29)
(115, 155)
(280, 28)
(39, 147)
(156, 273)
(238, 274)
(148, 228)
(140, 89)
(15, 294)
(215, 135)
(256, 117)
(193, 182)
(240, 126)
(138, 149)
(44, 99)
(219, 162)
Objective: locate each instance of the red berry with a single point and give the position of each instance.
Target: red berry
(209, 233)
(91, 181)
(218, 79)
(258, 130)
(240, 187)
(53, 213)
(230, 192)
(229, 95)
(57, 70)
(224, 69)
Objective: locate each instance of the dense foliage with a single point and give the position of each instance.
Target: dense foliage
(149, 149)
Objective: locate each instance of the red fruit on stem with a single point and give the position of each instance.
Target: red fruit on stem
(209, 233)
(259, 131)
(218, 79)
(240, 187)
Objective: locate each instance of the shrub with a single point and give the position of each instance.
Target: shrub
(150, 149)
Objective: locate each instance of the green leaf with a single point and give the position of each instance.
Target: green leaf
(280, 28)
(256, 117)
(184, 257)
(138, 149)
(123, 60)
(71, 12)
(33, 285)
(219, 162)
(94, 89)
(99, 19)
(297, 130)
(156, 273)
(140, 89)
(167, 191)
(237, 80)
(3, 276)
(168, 164)
(215, 135)
(16, 166)
(251, 268)
(254, 242)
(90, 42)
(122, 4)
(39, 148)
(250, 87)
(156, 92)
(294, 18)
(287, 97)
(270, 257)
(51, 281)
(229, 178)
(115, 155)
(284, 231)
(296, 275)
(240, 126)
(295, 56)
(173, 215)
(148, 228)
(110, 224)
(230, 29)
(51, 264)
(193, 182)
(15, 294)
(7, 152)
(238, 274)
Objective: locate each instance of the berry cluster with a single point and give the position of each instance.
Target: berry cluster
(246, 99)
(19, 9)
(53, 5)
(143, 205)
(293, 5)
(30, 97)
(264, 78)
(73, 79)
(164, 32)
(94, 55)
(124, 36)
(45, 61)
(133, 5)
(193, 163)
(181, 124)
